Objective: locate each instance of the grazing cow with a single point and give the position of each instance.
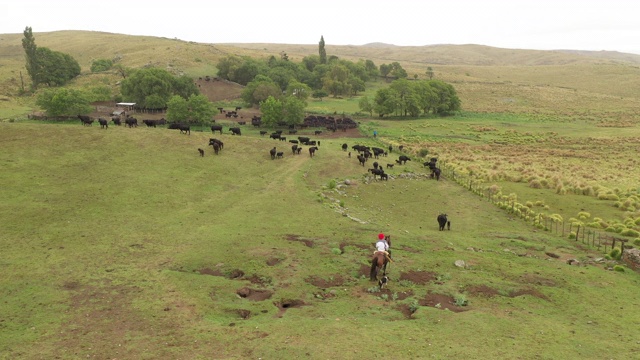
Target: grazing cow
(185, 129)
(303, 139)
(116, 120)
(375, 164)
(442, 221)
(215, 128)
(293, 141)
(384, 176)
(362, 159)
(318, 132)
(279, 154)
(235, 131)
(294, 148)
(435, 173)
(214, 142)
(377, 152)
(345, 147)
(216, 147)
(312, 150)
(272, 152)
(298, 150)
(86, 120)
(104, 124)
(150, 123)
(282, 138)
(375, 172)
(201, 152)
(390, 166)
(293, 131)
(131, 122)
(403, 159)
(263, 132)
(274, 136)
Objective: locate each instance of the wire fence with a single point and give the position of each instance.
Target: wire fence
(567, 230)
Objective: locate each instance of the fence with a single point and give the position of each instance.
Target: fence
(586, 236)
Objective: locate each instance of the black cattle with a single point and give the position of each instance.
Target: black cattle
(293, 141)
(376, 172)
(312, 150)
(318, 132)
(298, 150)
(116, 120)
(215, 128)
(131, 122)
(303, 139)
(150, 123)
(403, 159)
(377, 151)
(282, 138)
(216, 148)
(390, 148)
(294, 148)
(345, 147)
(384, 176)
(390, 166)
(201, 152)
(263, 132)
(442, 221)
(362, 159)
(274, 136)
(272, 152)
(216, 144)
(235, 131)
(86, 120)
(375, 164)
(104, 124)
(185, 129)
(279, 154)
(293, 131)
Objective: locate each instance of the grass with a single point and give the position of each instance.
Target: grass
(107, 233)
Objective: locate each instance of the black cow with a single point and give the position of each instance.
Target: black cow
(131, 122)
(435, 173)
(235, 131)
(298, 150)
(442, 221)
(403, 159)
(318, 132)
(201, 152)
(303, 139)
(390, 166)
(279, 154)
(263, 132)
(104, 124)
(272, 152)
(345, 147)
(362, 159)
(216, 148)
(116, 120)
(312, 150)
(293, 141)
(186, 129)
(294, 148)
(86, 120)
(213, 141)
(274, 136)
(384, 176)
(376, 172)
(215, 128)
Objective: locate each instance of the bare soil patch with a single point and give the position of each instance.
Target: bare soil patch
(306, 242)
(481, 291)
(418, 277)
(284, 305)
(273, 261)
(528, 291)
(209, 271)
(406, 311)
(334, 280)
(254, 294)
(440, 301)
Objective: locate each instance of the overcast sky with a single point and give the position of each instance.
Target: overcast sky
(519, 24)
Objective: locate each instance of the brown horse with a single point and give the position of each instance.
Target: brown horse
(379, 262)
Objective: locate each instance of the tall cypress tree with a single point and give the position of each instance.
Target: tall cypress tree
(29, 45)
(323, 52)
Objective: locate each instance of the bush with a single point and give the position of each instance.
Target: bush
(336, 251)
(618, 268)
(423, 152)
(332, 184)
(636, 242)
(630, 232)
(99, 65)
(615, 254)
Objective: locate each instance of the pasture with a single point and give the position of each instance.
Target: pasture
(125, 243)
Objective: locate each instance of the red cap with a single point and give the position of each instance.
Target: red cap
(381, 236)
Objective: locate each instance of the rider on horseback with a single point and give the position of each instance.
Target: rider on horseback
(383, 246)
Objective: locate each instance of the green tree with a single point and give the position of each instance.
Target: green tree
(366, 105)
(387, 101)
(298, 90)
(152, 81)
(397, 70)
(429, 72)
(319, 94)
(122, 70)
(321, 51)
(371, 69)
(64, 102)
(335, 81)
(259, 90)
(310, 62)
(99, 65)
(55, 68)
(177, 109)
(227, 66)
(29, 45)
(272, 111)
(355, 84)
(184, 86)
(385, 69)
(100, 93)
(201, 109)
(448, 100)
(293, 110)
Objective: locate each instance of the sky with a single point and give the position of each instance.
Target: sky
(517, 24)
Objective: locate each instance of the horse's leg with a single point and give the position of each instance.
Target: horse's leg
(384, 268)
(373, 274)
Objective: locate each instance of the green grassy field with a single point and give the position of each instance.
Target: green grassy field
(125, 243)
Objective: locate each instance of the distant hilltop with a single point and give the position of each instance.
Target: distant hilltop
(379, 45)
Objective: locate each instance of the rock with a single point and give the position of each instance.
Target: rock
(460, 264)
(347, 182)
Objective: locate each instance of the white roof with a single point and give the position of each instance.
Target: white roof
(125, 104)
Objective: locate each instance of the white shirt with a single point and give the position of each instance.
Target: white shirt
(382, 245)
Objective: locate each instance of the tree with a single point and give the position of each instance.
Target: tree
(184, 86)
(55, 68)
(29, 45)
(177, 109)
(355, 84)
(122, 70)
(322, 52)
(259, 90)
(310, 61)
(293, 110)
(385, 69)
(153, 81)
(398, 71)
(298, 90)
(272, 112)
(429, 73)
(201, 109)
(99, 65)
(319, 94)
(227, 66)
(63, 101)
(371, 69)
(366, 104)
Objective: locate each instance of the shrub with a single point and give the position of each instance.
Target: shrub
(535, 183)
(461, 300)
(636, 242)
(414, 306)
(336, 251)
(615, 254)
(423, 152)
(99, 65)
(618, 268)
(332, 184)
(630, 232)
(572, 235)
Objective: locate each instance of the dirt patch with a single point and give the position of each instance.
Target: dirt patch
(307, 242)
(356, 245)
(528, 291)
(243, 313)
(254, 294)
(364, 270)
(442, 302)
(209, 271)
(216, 89)
(325, 295)
(406, 310)
(418, 277)
(334, 280)
(273, 261)
(259, 280)
(409, 249)
(536, 280)
(481, 290)
(284, 305)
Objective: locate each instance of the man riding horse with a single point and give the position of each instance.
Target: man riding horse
(381, 257)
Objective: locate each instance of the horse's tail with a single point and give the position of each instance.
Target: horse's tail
(374, 264)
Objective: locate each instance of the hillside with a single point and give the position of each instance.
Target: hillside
(484, 75)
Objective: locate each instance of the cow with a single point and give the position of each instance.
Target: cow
(274, 136)
(263, 132)
(442, 221)
(293, 141)
(131, 122)
(298, 150)
(215, 128)
(435, 173)
(201, 152)
(294, 148)
(150, 123)
(293, 132)
(303, 139)
(86, 120)
(375, 172)
(116, 120)
(279, 154)
(384, 176)
(345, 147)
(216, 147)
(362, 159)
(214, 142)
(403, 159)
(272, 152)
(104, 124)
(235, 131)
(185, 129)
(375, 165)
(312, 150)
(318, 132)
(390, 166)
